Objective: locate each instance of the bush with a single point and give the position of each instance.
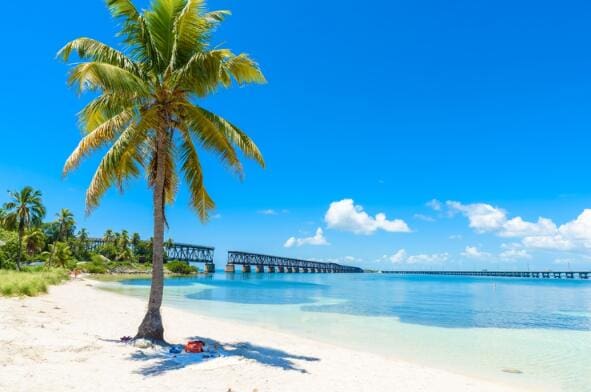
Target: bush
(179, 267)
(14, 283)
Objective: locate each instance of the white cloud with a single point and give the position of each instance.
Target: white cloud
(517, 227)
(425, 218)
(541, 234)
(482, 217)
(456, 237)
(401, 257)
(398, 257)
(579, 229)
(435, 205)
(472, 252)
(345, 215)
(316, 239)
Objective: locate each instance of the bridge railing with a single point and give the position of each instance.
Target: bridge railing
(262, 260)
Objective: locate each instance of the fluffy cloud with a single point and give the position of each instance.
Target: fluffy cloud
(541, 234)
(316, 239)
(482, 217)
(401, 257)
(517, 227)
(473, 252)
(345, 215)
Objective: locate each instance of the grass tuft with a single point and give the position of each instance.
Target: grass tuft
(13, 283)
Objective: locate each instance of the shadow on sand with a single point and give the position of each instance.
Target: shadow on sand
(161, 361)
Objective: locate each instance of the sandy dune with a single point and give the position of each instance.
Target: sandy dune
(68, 340)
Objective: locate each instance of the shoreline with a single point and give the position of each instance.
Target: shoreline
(67, 339)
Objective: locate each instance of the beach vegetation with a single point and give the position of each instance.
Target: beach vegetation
(180, 267)
(23, 211)
(147, 113)
(29, 283)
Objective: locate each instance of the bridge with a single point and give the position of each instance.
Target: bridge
(503, 274)
(282, 264)
(174, 251)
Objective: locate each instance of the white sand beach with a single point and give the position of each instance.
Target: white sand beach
(68, 340)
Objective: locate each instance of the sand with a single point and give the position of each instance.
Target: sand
(68, 340)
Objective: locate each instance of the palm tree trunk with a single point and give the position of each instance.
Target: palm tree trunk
(151, 327)
(18, 252)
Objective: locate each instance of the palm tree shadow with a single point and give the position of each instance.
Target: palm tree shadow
(162, 362)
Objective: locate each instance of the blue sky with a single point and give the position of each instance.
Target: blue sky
(389, 104)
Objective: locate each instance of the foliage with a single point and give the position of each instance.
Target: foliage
(147, 99)
(34, 242)
(8, 249)
(23, 211)
(179, 267)
(66, 224)
(13, 283)
(59, 255)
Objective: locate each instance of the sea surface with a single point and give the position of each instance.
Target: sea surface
(483, 327)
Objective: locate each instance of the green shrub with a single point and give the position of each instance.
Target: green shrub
(179, 267)
(13, 283)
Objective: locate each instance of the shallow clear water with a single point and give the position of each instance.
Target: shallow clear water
(477, 326)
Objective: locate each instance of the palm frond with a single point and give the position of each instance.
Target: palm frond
(135, 32)
(235, 135)
(211, 136)
(93, 50)
(100, 136)
(201, 202)
(110, 78)
(161, 22)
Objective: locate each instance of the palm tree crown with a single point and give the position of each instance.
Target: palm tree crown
(146, 106)
(65, 219)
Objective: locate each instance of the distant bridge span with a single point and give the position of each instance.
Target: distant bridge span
(503, 274)
(282, 264)
(174, 251)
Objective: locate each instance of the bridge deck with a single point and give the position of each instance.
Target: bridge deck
(175, 251)
(503, 274)
(247, 259)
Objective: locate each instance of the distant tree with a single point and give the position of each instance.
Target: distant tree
(146, 112)
(79, 245)
(34, 242)
(123, 245)
(23, 211)
(109, 236)
(59, 255)
(66, 223)
(135, 239)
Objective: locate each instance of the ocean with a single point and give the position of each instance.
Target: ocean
(534, 333)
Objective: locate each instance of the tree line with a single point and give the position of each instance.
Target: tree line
(26, 236)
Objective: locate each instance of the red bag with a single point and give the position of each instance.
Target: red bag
(194, 346)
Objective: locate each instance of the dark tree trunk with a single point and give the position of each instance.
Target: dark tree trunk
(19, 251)
(151, 327)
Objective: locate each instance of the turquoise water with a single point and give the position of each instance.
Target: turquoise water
(476, 326)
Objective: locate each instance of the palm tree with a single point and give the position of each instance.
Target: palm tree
(34, 241)
(109, 236)
(24, 211)
(66, 222)
(147, 112)
(83, 236)
(59, 254)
